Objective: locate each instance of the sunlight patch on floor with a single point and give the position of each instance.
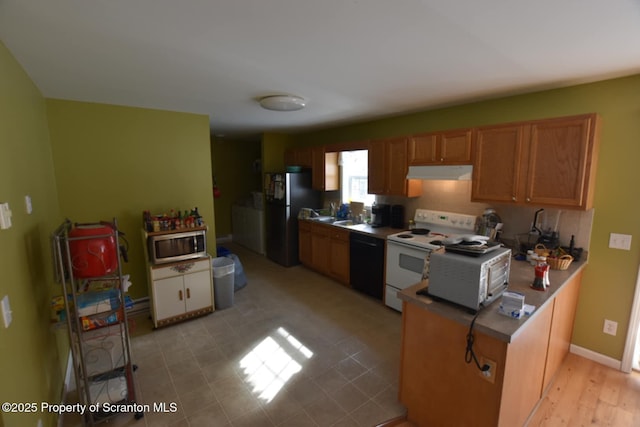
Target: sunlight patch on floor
(268, 366)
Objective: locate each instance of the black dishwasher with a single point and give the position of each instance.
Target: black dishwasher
(367, 264)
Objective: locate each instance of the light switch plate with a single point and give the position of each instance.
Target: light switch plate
(620, 241)
(6, 311)
(27, 204)
(5, 216)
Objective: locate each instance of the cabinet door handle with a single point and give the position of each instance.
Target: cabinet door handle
(188, 293)
(513, 198)
(180, 295)
(528, 199)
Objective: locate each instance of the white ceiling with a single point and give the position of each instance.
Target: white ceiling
(350, 59)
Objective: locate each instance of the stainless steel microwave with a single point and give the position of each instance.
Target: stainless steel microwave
(176, 246)
(469, 281)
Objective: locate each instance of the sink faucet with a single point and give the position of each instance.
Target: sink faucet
(534, 227)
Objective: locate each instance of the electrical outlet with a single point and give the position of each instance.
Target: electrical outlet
(490, 374)
(610, 327)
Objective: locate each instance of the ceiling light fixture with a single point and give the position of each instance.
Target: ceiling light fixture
(282, 103)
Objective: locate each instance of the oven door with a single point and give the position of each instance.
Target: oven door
(405, 265)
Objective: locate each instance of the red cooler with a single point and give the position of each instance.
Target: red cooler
(93, 256)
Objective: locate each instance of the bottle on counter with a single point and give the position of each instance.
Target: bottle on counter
(541, 279)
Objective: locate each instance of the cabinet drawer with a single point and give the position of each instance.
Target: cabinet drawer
(180, 268)
(339, 234)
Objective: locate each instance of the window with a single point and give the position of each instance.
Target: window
(354, 177)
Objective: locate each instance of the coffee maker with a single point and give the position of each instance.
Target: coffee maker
(380, 215)
(397, 216)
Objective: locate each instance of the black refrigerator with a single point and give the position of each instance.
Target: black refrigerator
(286, 193)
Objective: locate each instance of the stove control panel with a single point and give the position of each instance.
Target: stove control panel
(446, 219)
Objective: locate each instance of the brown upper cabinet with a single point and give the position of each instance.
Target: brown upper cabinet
(325, 174)
(441, 148)
(298, 157)
(544, 162)
(388, 167)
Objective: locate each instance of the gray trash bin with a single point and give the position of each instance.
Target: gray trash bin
(223, 274)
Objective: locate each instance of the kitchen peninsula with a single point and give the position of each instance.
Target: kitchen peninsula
(439, 388)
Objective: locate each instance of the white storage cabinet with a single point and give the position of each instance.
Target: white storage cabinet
(181, 290)
(248, 228)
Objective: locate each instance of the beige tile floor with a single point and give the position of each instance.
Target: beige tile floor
(295, 349)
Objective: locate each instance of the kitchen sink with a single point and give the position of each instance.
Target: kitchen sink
(327, 219)
(344, 223)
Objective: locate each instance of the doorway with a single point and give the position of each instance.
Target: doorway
(631, 355)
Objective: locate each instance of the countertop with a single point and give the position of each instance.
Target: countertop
(381, 232)
(489, 321)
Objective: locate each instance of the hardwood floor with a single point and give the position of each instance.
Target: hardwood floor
(585, 393)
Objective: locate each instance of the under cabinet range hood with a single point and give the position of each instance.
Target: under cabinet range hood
(453, 172)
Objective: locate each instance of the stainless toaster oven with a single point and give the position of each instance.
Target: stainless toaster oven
(469, 281)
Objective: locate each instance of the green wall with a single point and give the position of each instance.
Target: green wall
(273, 148)
(610, 278)
(112, 161)
(30, 365)
(85, 162)
(233, 168)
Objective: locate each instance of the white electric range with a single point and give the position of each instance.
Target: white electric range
(408, 251)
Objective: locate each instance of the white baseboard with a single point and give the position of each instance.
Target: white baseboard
(68, 386)
(69, 381)
(140, 306)
(596, 357)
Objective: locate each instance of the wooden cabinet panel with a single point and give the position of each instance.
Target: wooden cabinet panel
(339, 267)
(564, 313)
(397, 166)
(325, 174)
(319, 248)
(304, 243)
(455, 147)
(524, 370)
(298, 157)
(431, 364)
(377, 170)
(317, 166)
(423, 149)
(559, 162)
(545, 162)
(325, 249)
(388, 165)
(435, 380)
(497, 170)
(441, 148)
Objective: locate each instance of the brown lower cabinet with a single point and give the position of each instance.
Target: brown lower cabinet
(439, 388)
(325, 249)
